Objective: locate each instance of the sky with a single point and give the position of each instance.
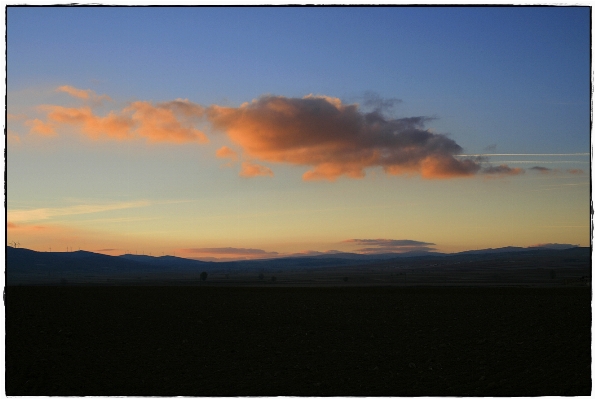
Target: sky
(241, 133)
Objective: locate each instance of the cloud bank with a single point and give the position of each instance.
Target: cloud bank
(331, 138)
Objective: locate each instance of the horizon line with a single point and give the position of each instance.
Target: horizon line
(298, 255)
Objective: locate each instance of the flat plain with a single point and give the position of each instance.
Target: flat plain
(298, 341)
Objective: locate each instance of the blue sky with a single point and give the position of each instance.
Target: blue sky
(507, 80)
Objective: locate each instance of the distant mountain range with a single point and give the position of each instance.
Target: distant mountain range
(25, 266)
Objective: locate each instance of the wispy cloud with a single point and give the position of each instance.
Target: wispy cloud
(547, 171)
(13, 138)
(28, 215)
(88, 94)
(15, 226)
(250, 169)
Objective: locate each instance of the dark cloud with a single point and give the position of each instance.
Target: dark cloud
(543, 170)
(502, 170)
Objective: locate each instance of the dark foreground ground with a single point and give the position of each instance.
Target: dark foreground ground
(218, 341)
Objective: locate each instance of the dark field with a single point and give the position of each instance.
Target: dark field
(291, 341)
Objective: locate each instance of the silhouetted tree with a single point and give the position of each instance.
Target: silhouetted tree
(273, 279)
(261, 276)
(345, 279)
(552, 274)
(203, 276)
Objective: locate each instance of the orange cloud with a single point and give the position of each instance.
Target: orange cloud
(226, 152)
(111, 126)
(28, 228)
(13, 138)
(39, 127)
(83, 94)
(15, 117)
(337, 139)
(250, 169)
(164, 122)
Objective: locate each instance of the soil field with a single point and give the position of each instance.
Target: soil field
(291, 341)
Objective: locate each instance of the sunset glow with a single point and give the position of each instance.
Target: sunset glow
(247, 133)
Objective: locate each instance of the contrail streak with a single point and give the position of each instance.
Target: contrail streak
(540, 162)
(521, 155)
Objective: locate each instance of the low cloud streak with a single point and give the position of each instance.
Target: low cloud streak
(380, 245)
(27, 215)
(502, 170)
